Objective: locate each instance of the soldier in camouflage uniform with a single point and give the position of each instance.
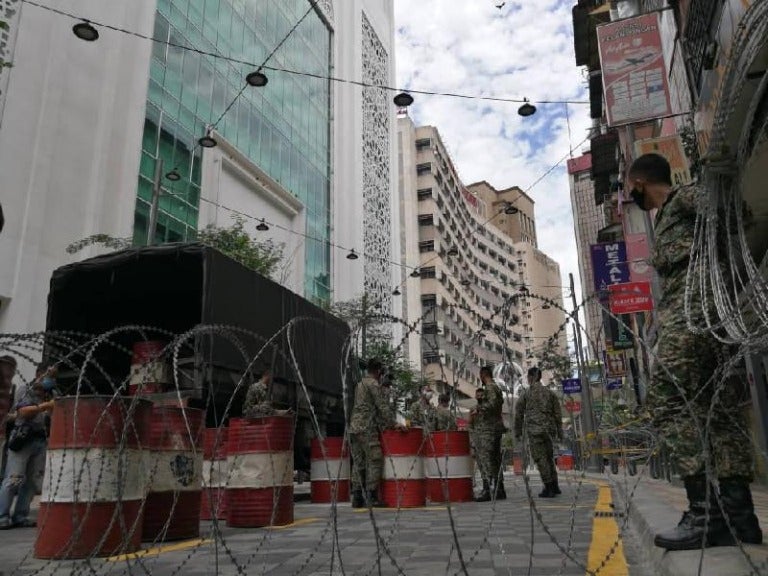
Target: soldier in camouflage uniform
(685, 379)
(422, 413)
(371, 415)
(538, 414)
(486, 430)
(257, 403)
(444, 418)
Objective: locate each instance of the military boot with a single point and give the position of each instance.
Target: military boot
(485, 495)
(501, 493)
(556, 487)
(357, 499)
(701, 525)
(548, 491)
(373, 499)
(736, 498)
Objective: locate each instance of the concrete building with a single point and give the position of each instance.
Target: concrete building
(83, 126)
(463, 275)
(588, 220)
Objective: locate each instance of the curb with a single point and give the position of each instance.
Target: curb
(649, 514)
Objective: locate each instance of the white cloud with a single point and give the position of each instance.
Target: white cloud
(523, 50)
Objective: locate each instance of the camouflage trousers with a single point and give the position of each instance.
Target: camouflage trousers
(487, 448)
(696, 410)
(367, 462)
(543, 454)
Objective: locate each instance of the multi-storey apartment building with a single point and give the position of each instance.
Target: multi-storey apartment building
(468, 284)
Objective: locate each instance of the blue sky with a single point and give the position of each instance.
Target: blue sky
(524, 50)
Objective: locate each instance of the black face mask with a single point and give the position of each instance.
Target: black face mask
(638, 198)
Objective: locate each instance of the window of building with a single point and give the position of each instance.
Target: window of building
(428, 272)
(429, 328)
(422, 143)
(423, 168)
(427, 246)
(426, 220)
(431, 358)
(428, 300)
(424, 193)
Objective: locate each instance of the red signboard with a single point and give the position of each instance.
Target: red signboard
(634, 73)
(630, 297)
(573, 406)
(580, 164)
(638, 254)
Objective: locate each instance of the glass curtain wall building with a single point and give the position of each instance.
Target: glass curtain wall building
(283, 128)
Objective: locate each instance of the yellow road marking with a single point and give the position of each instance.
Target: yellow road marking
(156, 551)
(605, 533)
(300, 522)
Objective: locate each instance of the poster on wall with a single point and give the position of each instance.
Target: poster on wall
(638, 255)
(671, 148)
(634, 74)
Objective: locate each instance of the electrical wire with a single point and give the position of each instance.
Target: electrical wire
(297, 72)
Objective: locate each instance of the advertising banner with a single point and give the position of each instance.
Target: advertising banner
(571, 386)
(638, 254)
(609, 264)
(634, 73)
(615, 363)
(671, 148)
(619, 333)
(630, 298)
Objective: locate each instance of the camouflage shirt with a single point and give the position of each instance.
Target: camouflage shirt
(539, 409)
(257, 402)
(444, 419)
(674, 230)
(371, 413)
(487, 415)
(422, 414)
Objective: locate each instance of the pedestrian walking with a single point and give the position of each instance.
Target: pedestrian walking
(371, 415)
(444, 418)
(486, 430)
(27, 446)
(7, 392)
(680, 396)
(538, 414)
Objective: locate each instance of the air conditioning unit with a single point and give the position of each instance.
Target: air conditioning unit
(440, 327)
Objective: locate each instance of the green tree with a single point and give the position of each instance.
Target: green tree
(263, 256)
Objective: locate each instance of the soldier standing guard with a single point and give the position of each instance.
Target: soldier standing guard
(444, 418)
(257, 403)
(678, 400)
(487, 428)
(538, 413)
(371, 415)
(422, 411)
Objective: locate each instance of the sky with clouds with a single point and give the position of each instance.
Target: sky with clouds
(523, 50)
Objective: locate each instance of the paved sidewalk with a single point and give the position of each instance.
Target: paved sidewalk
(656, 505)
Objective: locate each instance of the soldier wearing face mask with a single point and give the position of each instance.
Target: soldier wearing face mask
(682, 387)
(423, 412)
(26, 450)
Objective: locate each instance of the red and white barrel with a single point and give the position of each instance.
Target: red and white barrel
(93, 487)
(260, 462)
(175, 467)
(448, 467)
(402, 484)
(214, 502)
(329, 473)
(149, 370)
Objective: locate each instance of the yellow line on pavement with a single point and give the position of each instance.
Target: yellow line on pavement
(603, 556)
(300, 522)
(156, 551)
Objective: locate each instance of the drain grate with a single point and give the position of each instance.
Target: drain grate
(601, 514)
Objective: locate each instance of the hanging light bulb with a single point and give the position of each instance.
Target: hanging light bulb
(85, 31)
(403, 100)
(262, 226)
(173, 175)
(415, 273)
(511, 209)
(207, 141)
(352, 255)
(257, 79)
(527, 109)
(396, 292)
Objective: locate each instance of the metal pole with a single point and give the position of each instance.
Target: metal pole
(586, 393)
(156, 192)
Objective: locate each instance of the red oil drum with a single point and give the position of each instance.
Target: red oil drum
(213, 502)
(260, 463)
(402, 484)
(330, 471)
(517, 464)
(448, 467)
(149, 370)
(565, 462)
(172, 509)
(93, 487)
